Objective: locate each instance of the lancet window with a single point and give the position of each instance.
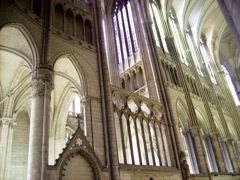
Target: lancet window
(177, 38)
(207, 62)
(157, 26)
(124, 30)
(193, 52)
(231, 86)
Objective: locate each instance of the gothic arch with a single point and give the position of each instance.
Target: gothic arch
(32, 56)
(232, 130)
(182, 113)
(219, 126)
(19, 57)
(87, 156)
(20, 143)
(68, 82)
(77, 67)
(202, 120)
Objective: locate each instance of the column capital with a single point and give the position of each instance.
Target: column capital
(43, 81)
(195, 130)
(150, 22)
(228, 139)
(44, 72)
(85, 99)
(6, 120)
(195, 127)
(214, 134)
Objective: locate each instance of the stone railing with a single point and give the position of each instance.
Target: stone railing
(140, 129)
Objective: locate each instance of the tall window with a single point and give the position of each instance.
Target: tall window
(193, 166)
(157, 26)
(207, 141)
(177, 38)
(230, 84)
(75, 105)
(193, 52)
(207, 62)
(125, 35)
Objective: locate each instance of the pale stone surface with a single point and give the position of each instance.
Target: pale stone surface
(23, 48)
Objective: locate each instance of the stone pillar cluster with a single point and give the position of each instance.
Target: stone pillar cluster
(39, 124)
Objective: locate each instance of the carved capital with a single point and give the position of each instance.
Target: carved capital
(214, 135)
(42, 82)
(6, 120)
(228, 139)
(195, 130)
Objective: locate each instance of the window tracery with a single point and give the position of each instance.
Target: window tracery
(124, 30)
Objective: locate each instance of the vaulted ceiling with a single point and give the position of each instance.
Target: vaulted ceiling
(205, 17)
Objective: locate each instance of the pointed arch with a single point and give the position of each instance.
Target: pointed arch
(20, 42)
(219, 126)
(59, 16)
(78, 79)
(202, 120)
(89, 31)
(69, 22)
(79, 27)
(20, 142)
(19, 57)
(183, 115)
(68, 82)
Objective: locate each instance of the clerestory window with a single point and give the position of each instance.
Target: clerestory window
(193, 52)
(124, 30)
(231, 86)
(177, 38)
(207, 62)
(157, 26)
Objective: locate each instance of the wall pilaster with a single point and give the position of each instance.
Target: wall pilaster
(201, 157)
(232, 154)
(217, 151)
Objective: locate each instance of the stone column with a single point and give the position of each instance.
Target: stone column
(5, 133)
(39, 125)
(84, 124)
(238, 152)
(201, 157)
(232, 155)
(218, 153)
(110, 145)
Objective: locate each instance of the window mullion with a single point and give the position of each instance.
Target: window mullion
(151, 143)
(120, 37)
(122, 138)
(144, 141)
(131, 25)
(117, 39)
(157, 141)
(138, 143)
(130, 139)
(127, 31)
(125, 35)
(130, 30)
